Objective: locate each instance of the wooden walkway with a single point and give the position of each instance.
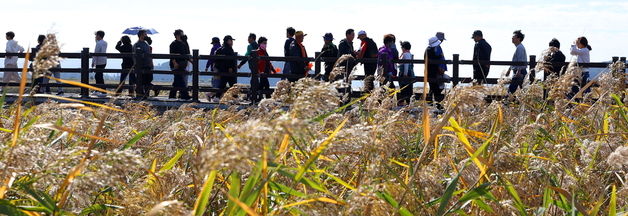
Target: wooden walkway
(159, 102)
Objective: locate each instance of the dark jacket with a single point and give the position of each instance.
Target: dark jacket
(297, 67)
(223, 65)
(178, 47)
(433, 70)
(371, 49)
(331, 51)
(345, 47)
(127, 62)
(142, 55)
(481, 52)
(286, 46)
(395, 52)
(557, 58)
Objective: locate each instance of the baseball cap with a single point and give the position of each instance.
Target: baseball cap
(228, 37)
(215, 40)
(362, 32)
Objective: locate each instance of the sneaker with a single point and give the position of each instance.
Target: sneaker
(60, 93)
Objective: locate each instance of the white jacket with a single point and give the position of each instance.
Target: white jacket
(101, 47)
(12, 47)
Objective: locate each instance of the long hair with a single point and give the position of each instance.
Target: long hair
(125, 40)
(583, 40)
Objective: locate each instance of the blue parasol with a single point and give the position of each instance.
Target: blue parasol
(134, 30)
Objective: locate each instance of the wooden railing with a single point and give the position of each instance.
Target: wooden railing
(85, 69)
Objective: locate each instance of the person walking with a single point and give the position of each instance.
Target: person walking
(481, 55)
(226, 65)
(435, 72)
(10, 61)
(345, 47)
(41, 40)
(368, 50)
(100, 62)
(329, 50)
(261, 83)
(552, 63)
(125, 46)
(519, 72)
(143, 63)
(254, 78)
(41, 79)
(581, 50)
(178, 65)
(385, 57)
(440, 53)
(215, 46)
(210, 66)
(406, 72)
(290, 32)
(298, 50)
(556, 58)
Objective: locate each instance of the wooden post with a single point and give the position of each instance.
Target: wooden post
(532, 62)
(33, 54)
(85, 71)
(615, 59)
(532, 71)
(456, 69)
(317, 63)
(195, 74)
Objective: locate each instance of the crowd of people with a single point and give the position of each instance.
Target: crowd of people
(138, 69)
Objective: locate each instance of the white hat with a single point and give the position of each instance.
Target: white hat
(362, 32)
(434, 41)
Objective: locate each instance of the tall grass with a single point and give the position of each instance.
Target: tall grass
(533, 156)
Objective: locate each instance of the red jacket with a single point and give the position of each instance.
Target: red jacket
(264, 66)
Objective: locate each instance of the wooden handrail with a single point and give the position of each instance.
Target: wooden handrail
(85, 69)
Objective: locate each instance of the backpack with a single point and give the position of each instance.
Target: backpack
(402, 68)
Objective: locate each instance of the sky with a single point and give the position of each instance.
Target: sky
(604, 23)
